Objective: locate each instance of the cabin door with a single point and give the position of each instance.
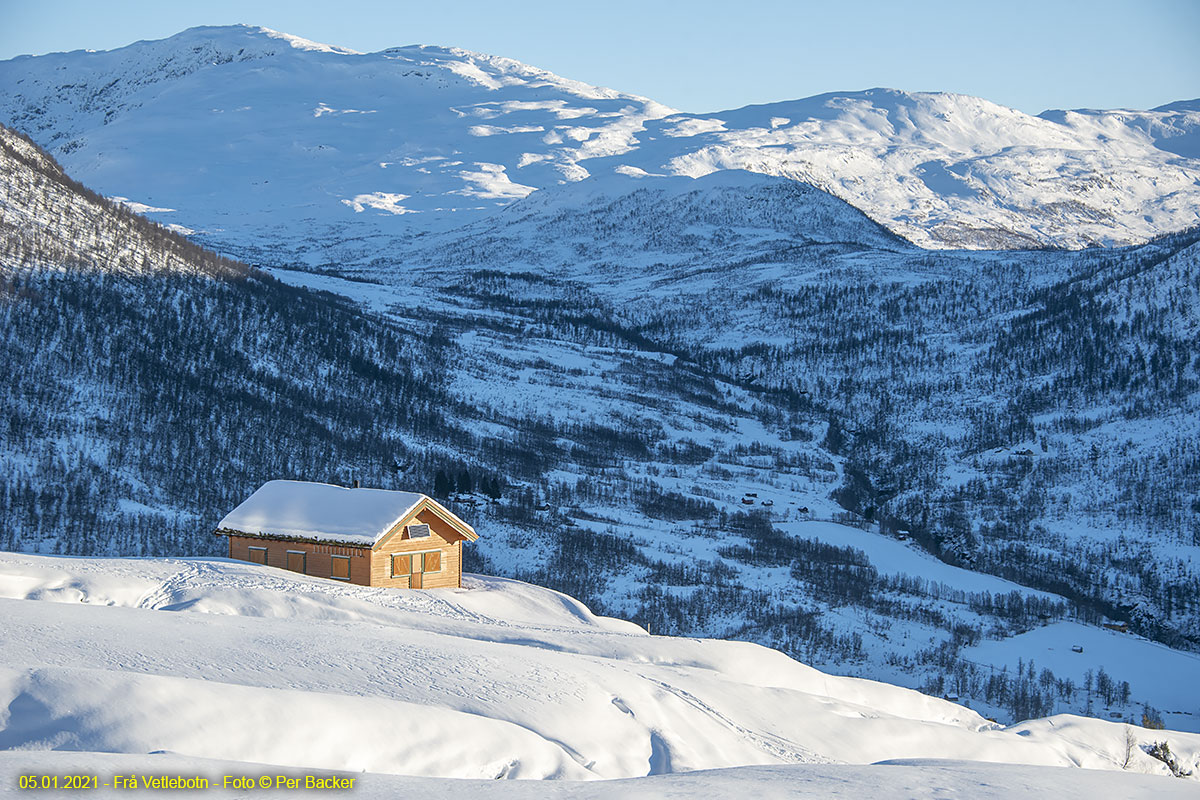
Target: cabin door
(417, 579)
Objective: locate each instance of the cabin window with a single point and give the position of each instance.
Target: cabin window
(340, 568)
(401, 565)
(433, 562)
(258, 555)
(295, 560)
(418, 531)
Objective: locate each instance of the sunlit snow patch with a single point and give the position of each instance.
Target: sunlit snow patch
(559, 108)
(465, 69)
(323, 109)
(384, 201)
(532, 158)
(139, 208)
(300, 43)
(694, 127)
(635, 172)
(492, 130)
(491, 182)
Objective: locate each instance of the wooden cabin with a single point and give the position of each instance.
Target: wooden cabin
(372, 537)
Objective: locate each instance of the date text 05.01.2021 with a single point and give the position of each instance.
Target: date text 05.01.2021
(59, 782)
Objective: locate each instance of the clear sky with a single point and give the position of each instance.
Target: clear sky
(705, 55)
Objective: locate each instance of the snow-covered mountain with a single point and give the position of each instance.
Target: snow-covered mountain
(499, 679)
(262, 124)
(244, 133)
(948, 170)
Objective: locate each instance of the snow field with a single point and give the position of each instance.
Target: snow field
(891, 556)
(214, 659)
(1165, 678)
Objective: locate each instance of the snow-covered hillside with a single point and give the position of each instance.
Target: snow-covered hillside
(212, 659)
(637, 235)
(49, 221)
(244, 133)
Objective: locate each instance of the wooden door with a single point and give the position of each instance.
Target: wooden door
(258, 555)
(417, 579)
(295, 561)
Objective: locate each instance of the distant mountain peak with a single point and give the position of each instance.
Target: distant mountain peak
(300, 43)
(1180, 105)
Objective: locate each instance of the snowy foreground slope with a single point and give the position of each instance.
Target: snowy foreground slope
(207, 659)
(918, 780)
(241, 132)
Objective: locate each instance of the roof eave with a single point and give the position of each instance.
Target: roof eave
(288, 538)
(452, 519)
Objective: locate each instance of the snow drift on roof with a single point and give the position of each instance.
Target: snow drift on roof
(320, 511)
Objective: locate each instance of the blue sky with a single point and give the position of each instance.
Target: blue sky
(707, 56)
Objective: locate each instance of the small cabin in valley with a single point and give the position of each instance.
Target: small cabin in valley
(372, 537)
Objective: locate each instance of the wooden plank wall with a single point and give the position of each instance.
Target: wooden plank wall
(442, 537)
(318, 557)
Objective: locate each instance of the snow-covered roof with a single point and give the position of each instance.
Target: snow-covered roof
(324, 512)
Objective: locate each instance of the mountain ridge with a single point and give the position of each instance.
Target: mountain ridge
(424, 138)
